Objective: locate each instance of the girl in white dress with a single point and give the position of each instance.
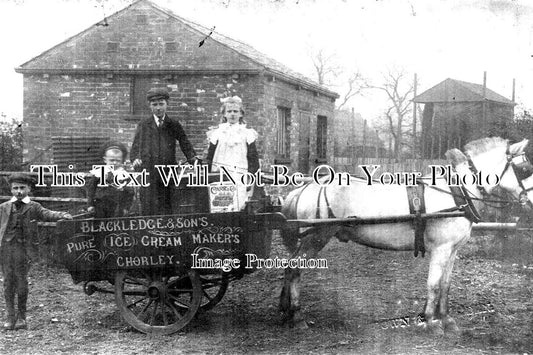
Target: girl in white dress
(232, 146)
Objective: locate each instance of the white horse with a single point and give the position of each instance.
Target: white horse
(441, 237)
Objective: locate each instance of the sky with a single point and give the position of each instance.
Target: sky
(436, 39)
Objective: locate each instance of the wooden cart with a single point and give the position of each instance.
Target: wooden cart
(163, 269)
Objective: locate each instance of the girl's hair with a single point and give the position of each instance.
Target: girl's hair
(235, 100)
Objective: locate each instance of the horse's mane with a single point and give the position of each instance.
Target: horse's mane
(483, 145)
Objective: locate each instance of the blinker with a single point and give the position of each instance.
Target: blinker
(522, 198)
(522, 167)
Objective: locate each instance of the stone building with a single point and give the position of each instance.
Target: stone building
(92, 86)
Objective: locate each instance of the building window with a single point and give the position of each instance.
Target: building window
(171, 47)
(284, 122)
(139, 87)
(112, 46)
(321, 137)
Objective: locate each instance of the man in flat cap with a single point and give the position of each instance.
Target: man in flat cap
(155, 144)
(17, 239)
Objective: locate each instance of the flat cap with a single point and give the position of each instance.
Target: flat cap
(157, 94)
(21, 178)
(114, 145)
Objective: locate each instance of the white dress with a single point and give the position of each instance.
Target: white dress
(231, 152)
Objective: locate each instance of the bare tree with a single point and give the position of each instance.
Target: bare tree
(356, 83)
(331, 74)
(10, 144)
(399, 91)
(325, 66)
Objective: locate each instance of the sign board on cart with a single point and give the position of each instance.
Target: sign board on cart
(93, 245)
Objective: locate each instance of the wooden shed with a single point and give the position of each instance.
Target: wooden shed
(456, 112)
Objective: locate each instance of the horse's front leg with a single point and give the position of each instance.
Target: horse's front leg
(437, 266)
(290, 294)
(448, 322)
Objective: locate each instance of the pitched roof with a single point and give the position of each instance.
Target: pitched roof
(62, 57)
(451, 90)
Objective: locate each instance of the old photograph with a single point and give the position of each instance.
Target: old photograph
(272, 177)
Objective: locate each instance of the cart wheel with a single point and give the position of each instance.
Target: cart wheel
(214, 287)
(158, 304)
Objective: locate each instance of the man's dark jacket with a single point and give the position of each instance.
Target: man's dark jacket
(157, 145)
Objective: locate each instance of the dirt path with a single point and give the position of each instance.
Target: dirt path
(347, 306)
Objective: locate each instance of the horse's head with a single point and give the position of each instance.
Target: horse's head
(496, 157)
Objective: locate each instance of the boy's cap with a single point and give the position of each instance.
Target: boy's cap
(157, 94)
(114, 145)
(21, 178)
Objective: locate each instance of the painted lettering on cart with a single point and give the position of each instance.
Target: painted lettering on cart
(123, 225)
(81, 245)
(152, 260)
(149, 241)
(215, 238)
(126, 241)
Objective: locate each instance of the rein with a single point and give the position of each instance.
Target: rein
(522, 199)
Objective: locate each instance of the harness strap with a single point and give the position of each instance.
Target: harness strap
(296, 200)
(330, 214)
(464, 202)
(415, 196)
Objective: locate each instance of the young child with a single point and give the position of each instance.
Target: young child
(232, 145)
(111, 200)
(17, 235)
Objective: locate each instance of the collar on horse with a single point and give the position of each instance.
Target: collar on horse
(462, 198)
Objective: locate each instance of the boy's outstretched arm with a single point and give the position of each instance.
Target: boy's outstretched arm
(47, 215)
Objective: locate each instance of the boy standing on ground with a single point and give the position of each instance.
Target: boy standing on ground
(17, 236)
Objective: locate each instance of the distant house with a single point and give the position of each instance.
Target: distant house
(456, 112)
(355, 137)
(93, 85)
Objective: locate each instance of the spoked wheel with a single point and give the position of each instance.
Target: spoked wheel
(157, 304)
(214, 287)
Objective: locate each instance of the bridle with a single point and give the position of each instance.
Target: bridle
(522, 169)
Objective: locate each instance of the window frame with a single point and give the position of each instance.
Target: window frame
(283, 138)
(321, 137)
(138, 104)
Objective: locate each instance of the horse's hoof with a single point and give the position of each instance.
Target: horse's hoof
(299, 324)
(450, 326)
(286, 318)
(435, 327)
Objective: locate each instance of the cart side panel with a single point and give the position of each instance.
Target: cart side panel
(98, 246)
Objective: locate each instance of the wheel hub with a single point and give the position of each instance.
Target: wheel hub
(157, 290)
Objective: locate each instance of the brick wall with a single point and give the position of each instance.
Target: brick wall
(96, 98)
(304, 105)
(66, 105)
(141, 46)
(101, 106)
